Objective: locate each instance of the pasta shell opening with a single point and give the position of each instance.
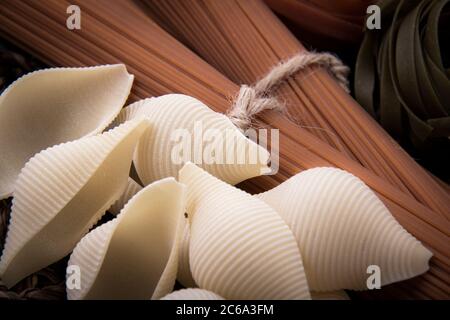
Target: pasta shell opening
(134, 256)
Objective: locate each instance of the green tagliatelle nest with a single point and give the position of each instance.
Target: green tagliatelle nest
(402, 74)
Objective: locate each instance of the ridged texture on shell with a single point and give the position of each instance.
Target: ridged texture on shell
(128, 113)
(88, 256)
(52, 106)
(173, 113)
(342, 228)
(134, 256)
(184, 270)
(61, 192)
(240, 248)
(192, 294)
(130, 190)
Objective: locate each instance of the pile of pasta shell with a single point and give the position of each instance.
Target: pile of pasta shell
(67, 147)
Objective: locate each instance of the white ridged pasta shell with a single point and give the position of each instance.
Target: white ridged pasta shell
(135, 255)
(240, 248)
(330, 295)
(130, 190)
(52, 106)
(174, 114)
(192, 294)
(62, 192)
(342, 228)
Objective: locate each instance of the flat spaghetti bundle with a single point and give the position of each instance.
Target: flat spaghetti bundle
(162, 65)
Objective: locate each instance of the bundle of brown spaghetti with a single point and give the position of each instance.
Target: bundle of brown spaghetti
(324, 23)
(121, 31)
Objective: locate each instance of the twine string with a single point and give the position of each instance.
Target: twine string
(252, 100)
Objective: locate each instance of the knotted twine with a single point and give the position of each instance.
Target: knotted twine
(252, 100)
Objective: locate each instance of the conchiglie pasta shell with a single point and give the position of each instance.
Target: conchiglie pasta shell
(342, 228)
(192, 294)
(240, 248)
(53, 106)
(158, 155)
(61, 192)
(134, 256)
